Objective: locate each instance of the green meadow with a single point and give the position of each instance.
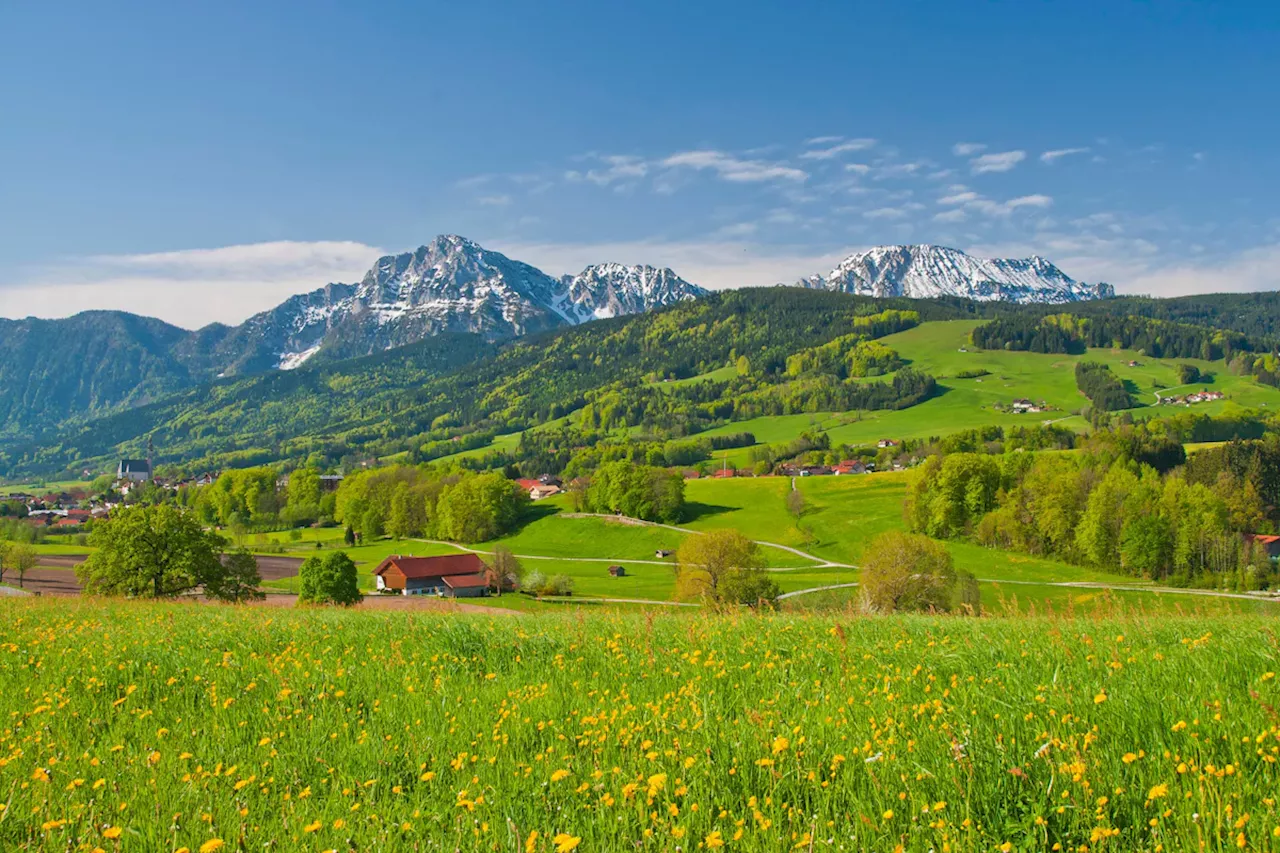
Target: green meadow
(170, 727)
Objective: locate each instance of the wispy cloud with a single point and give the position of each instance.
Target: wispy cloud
(731, 168)
(962, 198)
(615, 168)
(494, 200)
(1002, 162)
(1057, 154)
(838, 149)
(190, 287)
(967, 149)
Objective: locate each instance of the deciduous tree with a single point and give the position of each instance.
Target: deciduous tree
(150, 552)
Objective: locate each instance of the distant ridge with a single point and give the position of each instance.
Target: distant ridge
(926, 272)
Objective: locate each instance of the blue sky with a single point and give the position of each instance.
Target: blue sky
(203, 161)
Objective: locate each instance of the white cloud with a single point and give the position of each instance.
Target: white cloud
(962, 197)
(732, 168)
(494, 200)
(857, 168)
(1250, 270)
(1051, 157)
(885, 213)
(190, 287)
(966, 149)
(738, 229)
(837, 150)
(822, 140)
(956, 214)
(617, 169)
(1002, 162)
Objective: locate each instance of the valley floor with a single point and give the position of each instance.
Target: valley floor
(813, 558)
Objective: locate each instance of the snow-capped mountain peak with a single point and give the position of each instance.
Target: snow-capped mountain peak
(612, 290)
(451, 284)
(926, 271)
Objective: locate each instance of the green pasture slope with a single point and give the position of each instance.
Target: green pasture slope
(943, 350)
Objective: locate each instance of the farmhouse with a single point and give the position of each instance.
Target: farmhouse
(1270, 545)
(617, 572)
(887, 442)
(449, 576)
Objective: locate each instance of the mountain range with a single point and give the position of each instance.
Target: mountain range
(102, 361)
(927, 272)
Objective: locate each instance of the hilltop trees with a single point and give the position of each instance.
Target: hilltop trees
(331, 579)
(479, 507)
(907, 572)
(239, 579)
(638, 491)
(150, 552)
(724, 567)
(1110, 507)
(17, 557)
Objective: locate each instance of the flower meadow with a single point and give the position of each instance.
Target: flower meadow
(142, 727)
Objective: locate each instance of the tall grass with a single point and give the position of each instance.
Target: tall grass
(162, 727)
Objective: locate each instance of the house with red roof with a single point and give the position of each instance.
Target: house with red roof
(448, 576)
(1270, 545)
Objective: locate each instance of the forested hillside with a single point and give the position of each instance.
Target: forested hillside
(446, 388)
(643, 387)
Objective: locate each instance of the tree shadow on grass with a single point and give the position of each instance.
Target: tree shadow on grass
(693, 511)
(532, 513)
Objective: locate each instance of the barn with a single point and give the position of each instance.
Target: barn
(449, 576)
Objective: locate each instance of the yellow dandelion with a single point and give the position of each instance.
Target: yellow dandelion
(111, 832)
(714, 839)
(312, 827)
(559, 774)
(780, 744)
(530, 843)
(212, 845)
(803, 842)
(565, 842)
(1158, 792)
(1100, 698)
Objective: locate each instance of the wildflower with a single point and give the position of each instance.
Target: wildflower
(213, 844)
(312, 827)
(531, 842)
(1100, 698)
(714, 839)
(888, 815)
(40, 775)
(559, 774)
(1158, 792)
(565, 842)
(1129, 758)
(803, 842)
(780, 744)
(111, 832)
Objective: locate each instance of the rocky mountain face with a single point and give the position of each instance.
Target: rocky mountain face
(612, 290)
(926, 272)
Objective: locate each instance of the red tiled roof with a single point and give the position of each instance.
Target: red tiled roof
(527, 484)
(1264, 538)
(434, 567)
(465, 581)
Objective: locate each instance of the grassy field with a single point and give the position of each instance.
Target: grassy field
(162, 727)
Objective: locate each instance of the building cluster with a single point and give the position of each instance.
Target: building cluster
(1023, 406)
(1202, 396)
